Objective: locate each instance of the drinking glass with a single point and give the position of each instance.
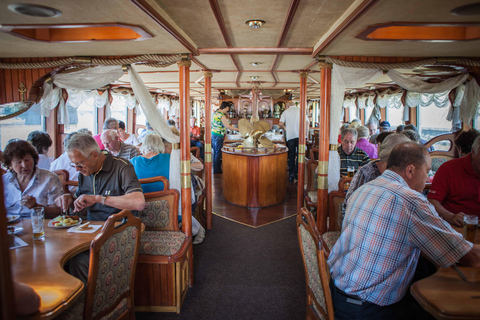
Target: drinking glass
(350, 171)
(470, 227)
(37, 223)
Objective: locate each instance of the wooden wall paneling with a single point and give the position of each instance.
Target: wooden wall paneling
(15, 83)
(35, 72)
(8, 84)
(362, 116)
(131, 119)
(383, 114)
(2, 86)
(413, 116)
(28, 79)
(236, 168)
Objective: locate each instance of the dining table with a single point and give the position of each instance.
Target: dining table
(40, 265)
(445, 295)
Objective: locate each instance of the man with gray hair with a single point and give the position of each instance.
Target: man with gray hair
(109, 123)
(455, 188)
(350, 154)
(106, 185)
(118, 148)
(362, 142)
(372, 126)
(388, 224)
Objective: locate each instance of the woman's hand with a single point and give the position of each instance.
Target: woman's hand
(29, 202)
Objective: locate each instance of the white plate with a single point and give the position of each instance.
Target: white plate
(13, 218)
(18, 230)
(50, 224)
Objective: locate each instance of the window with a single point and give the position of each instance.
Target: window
(432, 121)
(368, 113)
(352, 113)
(85, 116)
(118, 108)
(395, 116)
(20, 126)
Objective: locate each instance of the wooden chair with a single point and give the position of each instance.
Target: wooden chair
(166, 184)
(310, 192)
(164, 262)
(313, 153)
(335, 219)
(439, 157)
(64, 176)
(317, 276)
(111, 276)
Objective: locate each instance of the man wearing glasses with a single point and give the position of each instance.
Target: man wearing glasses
(106, 185)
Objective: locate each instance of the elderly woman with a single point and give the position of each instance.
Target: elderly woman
(374, 169)
(153, 163)
(25, 185)
(42, 142)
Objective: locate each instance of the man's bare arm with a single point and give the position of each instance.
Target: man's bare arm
(450, 217)
(129, 201)
(282, 125)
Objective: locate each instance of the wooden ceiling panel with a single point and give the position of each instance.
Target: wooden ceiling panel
(312, 20)
(216, 61)
(235, 13)
(294, 62)
(265, 61)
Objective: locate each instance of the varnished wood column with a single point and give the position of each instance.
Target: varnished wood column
(324, 143)
(184, 70)
(301, 140)
(208, 146)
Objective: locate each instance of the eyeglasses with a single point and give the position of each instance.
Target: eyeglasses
(80, 166)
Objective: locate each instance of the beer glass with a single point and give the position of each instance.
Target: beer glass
(470, 227)
(37, 223)
(350, 171)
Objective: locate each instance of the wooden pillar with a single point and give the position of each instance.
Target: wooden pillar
(184, 70)
(208, 146)
(6, 284)
(255, 104)
(55, 131)
(301, 140)
(324, 146)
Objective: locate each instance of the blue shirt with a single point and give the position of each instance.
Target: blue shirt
(158, 165)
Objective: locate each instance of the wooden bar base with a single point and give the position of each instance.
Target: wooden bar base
(254, 180)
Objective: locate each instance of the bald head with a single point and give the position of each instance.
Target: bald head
(111, 141)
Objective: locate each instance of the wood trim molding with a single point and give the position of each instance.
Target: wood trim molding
(288, 21)
(155, 16)
(279, 51)
(357, 13)
(274, 78)
(237, 79)
(221, 23)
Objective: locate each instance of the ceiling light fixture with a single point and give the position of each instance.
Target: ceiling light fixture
(255, 23)
(34, 10)
(467, 10)
(255, 64)
(254, 77)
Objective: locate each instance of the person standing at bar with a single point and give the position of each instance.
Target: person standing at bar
(290, 122)
(219, 126)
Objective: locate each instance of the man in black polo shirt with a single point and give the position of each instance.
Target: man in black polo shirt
(106, 185)
(350, 154)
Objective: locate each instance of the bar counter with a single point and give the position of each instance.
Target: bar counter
(254, 177)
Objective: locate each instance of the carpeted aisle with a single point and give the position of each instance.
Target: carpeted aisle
(245, 273)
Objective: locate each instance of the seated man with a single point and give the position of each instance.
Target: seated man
(373, 131)
(110, 123)
(455, 188)
(195, 136)
(387, 225)
(362, 142)
(118, 148)
(350, 154)
(106, 185)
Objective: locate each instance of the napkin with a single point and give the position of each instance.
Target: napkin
(95, 227)
(19, 243)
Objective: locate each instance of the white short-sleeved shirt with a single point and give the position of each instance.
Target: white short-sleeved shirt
(44, 162)
(63, 162)
(291, 120)
(44, 186)
(132, 140)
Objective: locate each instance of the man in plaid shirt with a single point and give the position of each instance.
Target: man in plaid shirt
(388, 223)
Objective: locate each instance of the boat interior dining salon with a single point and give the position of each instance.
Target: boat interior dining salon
(220, 159)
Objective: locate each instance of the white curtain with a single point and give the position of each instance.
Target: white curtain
(50, 99)
(89, 78)
(415, 84)
(342, 78)
(159, 125)
(470, 101)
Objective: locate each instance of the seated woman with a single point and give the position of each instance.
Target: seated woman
(127, 138)
(375, 168)
(42, 142)
(27, 186)
(154, 163)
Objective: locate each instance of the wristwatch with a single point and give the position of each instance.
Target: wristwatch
(104, 198)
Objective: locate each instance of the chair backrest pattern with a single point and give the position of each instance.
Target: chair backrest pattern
(437, 161)
(116, 256)
(156, 214)
(311, 263)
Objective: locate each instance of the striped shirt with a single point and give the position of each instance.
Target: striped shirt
(386, 226)
(356, 159)
(127, 151)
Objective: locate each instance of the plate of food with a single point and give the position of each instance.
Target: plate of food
(13, 218)
(64, 221)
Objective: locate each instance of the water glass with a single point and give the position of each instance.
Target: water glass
(37, 223)
(470, 227)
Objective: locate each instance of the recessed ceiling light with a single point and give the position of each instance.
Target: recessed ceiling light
(34, 10)
(255, 23)
(255, 64)
(472, 9)
(254, 77)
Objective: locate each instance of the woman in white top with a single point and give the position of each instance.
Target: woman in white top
(42, 142)
(128, 138)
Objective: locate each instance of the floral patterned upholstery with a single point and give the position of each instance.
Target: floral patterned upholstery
(330, 238)
(116, 260)
(437, 162)
(311, 262)
(76, 311)
(156, 214)
(161, 243)
(313, 195)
